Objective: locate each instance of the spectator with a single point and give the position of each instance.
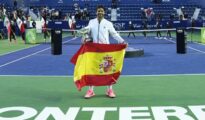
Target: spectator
(11, 31)
(169, 26)
(131, 27)
(76, 7)
(143, 14)
(2, 34)
(158, 26)
(44, 28)
(185, 16)
(34, 24)
(15, 4)
(181, 17)
(21, 26)
(73, 25)
(144, 27)
(114, 4)
(149, 13)
(78, 15)
(85, 14)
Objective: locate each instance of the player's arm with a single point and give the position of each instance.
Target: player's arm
(115, 35)
(85, 33)
(86, 29)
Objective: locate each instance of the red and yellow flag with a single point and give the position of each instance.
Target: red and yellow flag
(98, 64)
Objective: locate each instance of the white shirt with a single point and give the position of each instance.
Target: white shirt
(100, 31)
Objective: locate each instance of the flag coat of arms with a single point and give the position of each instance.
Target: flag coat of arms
(98, 64)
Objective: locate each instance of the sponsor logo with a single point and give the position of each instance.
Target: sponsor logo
(193, 112)
(119, 26)
(60, 1)
(137, 25)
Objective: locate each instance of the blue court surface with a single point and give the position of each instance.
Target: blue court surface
(159, 58)
(160, 85)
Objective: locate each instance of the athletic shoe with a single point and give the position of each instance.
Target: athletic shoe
(110, 93)
(89, 94)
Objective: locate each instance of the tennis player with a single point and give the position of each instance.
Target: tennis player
(99, 29)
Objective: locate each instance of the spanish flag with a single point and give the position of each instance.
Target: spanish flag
(98, 64)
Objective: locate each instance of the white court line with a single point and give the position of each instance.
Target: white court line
(199, 74)
(17, 50)
(70, 40)
(196, 50)
(13, 61)
(190, 47)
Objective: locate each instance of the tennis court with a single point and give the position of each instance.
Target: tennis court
(34, 78)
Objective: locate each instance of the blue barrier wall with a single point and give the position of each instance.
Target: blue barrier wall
(123, 25)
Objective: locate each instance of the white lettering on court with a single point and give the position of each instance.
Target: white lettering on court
(27, 113)
(127, 113)
(99, 112)
(58, 114)
(199, 111)
(162, 113)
